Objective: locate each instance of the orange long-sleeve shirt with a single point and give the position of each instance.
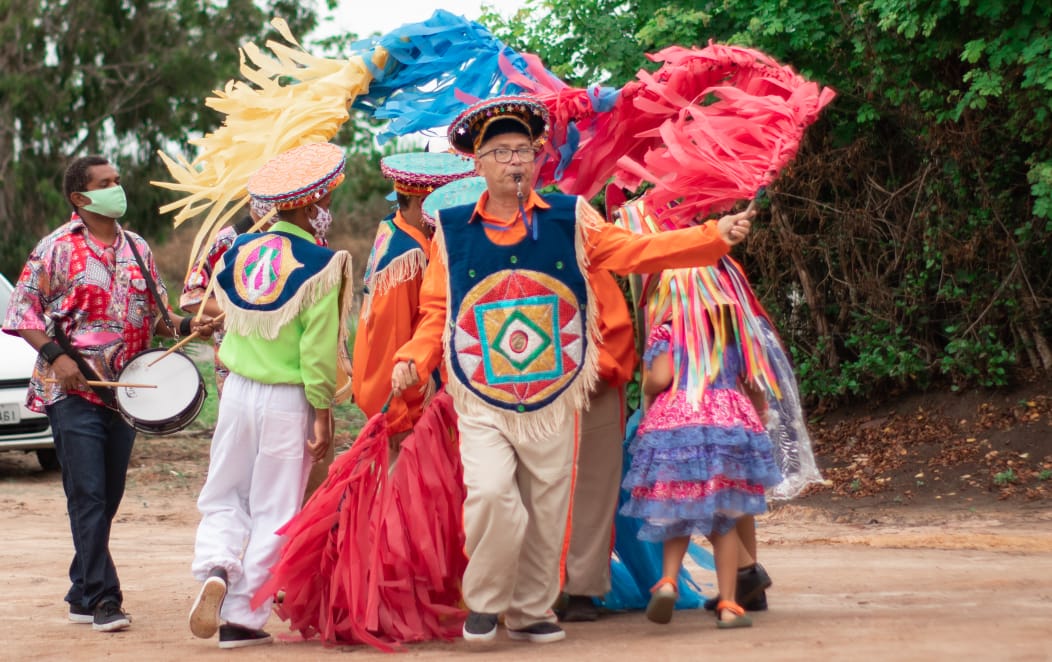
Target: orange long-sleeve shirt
(607, 247)
(393, 317)
(617, 344)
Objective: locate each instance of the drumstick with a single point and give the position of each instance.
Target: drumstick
(182, 342)
(97, 382)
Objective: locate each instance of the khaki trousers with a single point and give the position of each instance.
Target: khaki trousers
(595, 493)
(518, 493)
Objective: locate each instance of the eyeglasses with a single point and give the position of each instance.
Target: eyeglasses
(503, 154)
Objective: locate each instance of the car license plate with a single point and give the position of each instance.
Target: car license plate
(10, 414)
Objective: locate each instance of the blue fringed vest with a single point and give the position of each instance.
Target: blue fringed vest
(396, 257)
(519, 337)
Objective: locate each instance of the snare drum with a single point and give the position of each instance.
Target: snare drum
(170, 407)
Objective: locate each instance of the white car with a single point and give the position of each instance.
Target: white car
(20, 428)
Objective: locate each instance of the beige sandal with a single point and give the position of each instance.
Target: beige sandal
(740, 620)
(662, 602)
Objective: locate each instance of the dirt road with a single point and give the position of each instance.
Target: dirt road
(906, 583)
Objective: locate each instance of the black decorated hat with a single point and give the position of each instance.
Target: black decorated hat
(468, 130)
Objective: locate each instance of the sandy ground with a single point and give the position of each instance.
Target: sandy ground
(906, 583)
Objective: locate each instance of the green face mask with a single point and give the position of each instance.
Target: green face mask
(109, 202)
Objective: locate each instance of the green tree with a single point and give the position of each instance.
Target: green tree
(122, 78)
(910, 241)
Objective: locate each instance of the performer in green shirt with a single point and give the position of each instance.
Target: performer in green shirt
(284, 298)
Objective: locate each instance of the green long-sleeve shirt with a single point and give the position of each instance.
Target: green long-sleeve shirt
(304, 351)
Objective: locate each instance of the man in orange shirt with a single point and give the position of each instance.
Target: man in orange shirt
(393, 276)
(506, 300)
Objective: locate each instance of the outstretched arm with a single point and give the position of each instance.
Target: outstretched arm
(622, 251)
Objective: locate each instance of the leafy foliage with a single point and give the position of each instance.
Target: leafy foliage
(910, 243)
(121, 78)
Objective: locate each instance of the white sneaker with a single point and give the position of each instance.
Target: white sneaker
(204, 615)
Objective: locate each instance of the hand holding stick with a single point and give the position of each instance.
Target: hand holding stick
(181, 343)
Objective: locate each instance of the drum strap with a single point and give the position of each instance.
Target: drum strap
(105, 394)
(162, 306)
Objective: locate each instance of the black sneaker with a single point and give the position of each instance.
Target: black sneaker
(204, 614)
(235, 636)
(759, 603)
(578, 609)
(109, 617)
(78, 614)
(480, 627)
(752, 583)
(751, 592)
(538, 633)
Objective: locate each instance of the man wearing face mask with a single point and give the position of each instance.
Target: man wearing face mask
(285, 298)
(84, 303)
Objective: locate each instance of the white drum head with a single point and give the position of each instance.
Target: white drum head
(177, 382)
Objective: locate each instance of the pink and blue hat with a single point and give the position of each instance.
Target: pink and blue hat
(420, 173)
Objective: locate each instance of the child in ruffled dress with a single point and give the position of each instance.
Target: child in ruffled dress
(701, 459)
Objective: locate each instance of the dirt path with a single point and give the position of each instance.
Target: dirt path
(907, 583)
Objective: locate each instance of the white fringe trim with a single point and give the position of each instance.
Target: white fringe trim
(268, 324)
(405, 267)
(577, 396)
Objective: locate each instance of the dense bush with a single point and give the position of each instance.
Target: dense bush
(910, 243)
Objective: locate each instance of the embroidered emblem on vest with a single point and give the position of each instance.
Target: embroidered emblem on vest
(380, 246)
(518, 338)
(263, 267)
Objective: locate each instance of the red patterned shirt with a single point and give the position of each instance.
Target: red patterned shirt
(96, 293)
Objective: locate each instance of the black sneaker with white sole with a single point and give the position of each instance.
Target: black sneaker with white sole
(78, 614)
(236, 636)
(538, 633)
(204, 614)
(109, 617)
(480, 627)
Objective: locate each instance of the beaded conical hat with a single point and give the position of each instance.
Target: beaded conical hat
(299, 176)
(420, 173)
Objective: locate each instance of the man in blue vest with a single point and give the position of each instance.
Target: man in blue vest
(507, 297)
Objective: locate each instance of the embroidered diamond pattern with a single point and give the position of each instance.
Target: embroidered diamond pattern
(520, 340)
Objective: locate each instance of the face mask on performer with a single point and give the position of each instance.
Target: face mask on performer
(110, 202)
(321, 222)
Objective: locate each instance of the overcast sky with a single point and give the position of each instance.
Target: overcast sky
(364, 17)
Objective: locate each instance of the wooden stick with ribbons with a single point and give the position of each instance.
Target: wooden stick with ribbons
(181, 343)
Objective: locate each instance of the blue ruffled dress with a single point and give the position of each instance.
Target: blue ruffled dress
(697, 467)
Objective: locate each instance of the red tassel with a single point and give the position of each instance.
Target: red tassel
(375, 558)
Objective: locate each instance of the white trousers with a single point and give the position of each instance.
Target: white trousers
(256, 475)
(518, 494)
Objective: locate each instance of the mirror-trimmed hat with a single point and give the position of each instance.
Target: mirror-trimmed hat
(468, 130)
(299, 176)
(420, 173)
